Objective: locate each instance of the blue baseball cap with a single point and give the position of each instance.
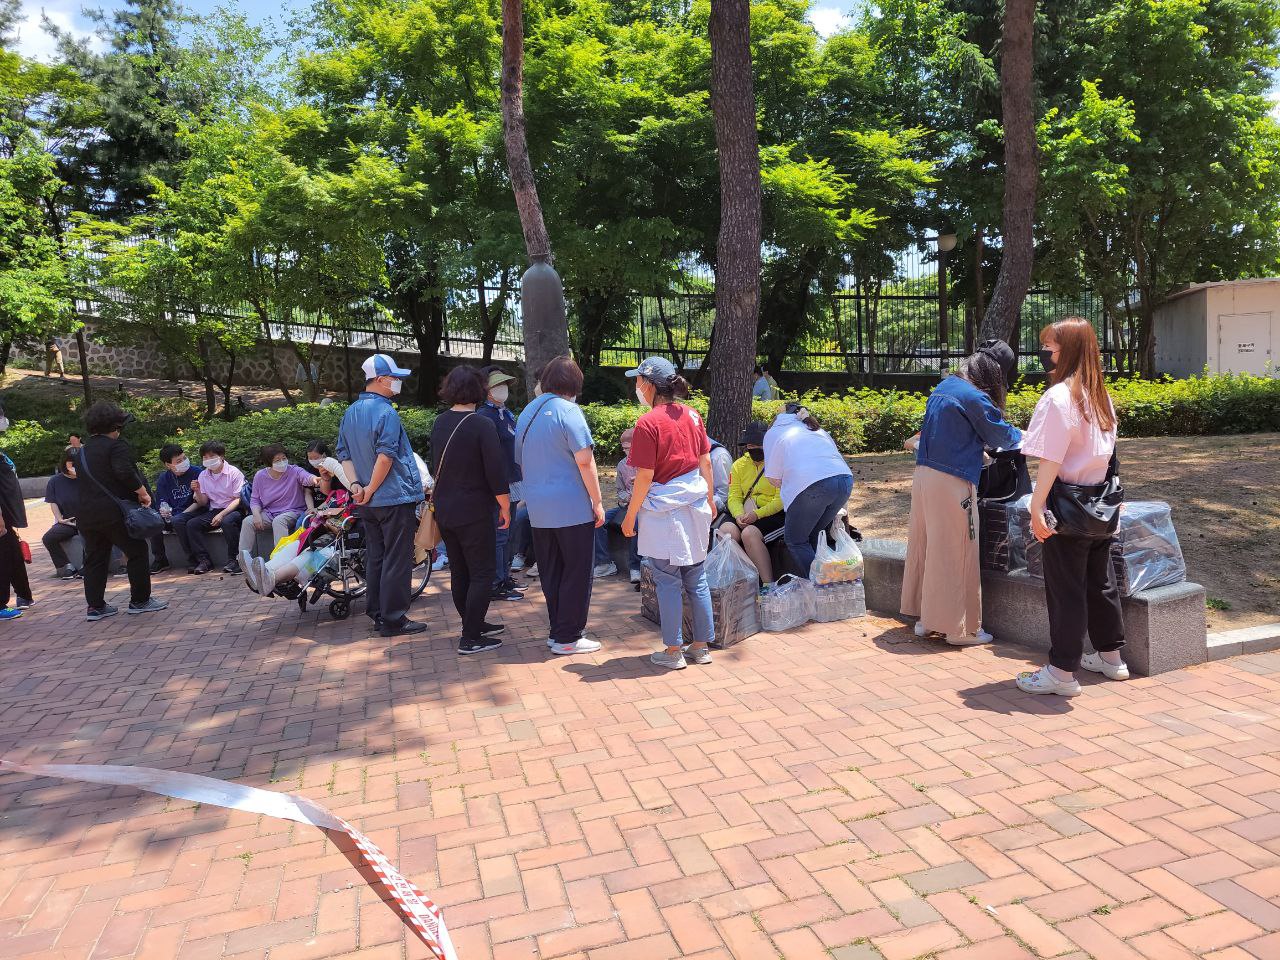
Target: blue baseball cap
(657, 369)
(381, 365)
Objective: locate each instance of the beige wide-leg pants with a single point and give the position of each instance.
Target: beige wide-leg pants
(942, 583)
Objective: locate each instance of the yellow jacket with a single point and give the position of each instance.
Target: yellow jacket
(767, 496)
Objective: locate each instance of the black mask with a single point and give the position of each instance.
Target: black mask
(1047, 361)
(756, 454)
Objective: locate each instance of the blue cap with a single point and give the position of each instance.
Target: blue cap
(381, 365)
(657, 369)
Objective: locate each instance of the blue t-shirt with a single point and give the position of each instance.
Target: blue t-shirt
(548, 434)
(175, 490)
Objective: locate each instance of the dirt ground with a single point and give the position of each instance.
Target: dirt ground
(1225, 493)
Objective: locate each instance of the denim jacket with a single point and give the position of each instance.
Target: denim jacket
(959, 422)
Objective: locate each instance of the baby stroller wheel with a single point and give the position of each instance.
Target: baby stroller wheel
(340, 609)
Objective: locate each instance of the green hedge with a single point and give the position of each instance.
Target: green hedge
(859, 420)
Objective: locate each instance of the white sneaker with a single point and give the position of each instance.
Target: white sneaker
(700, 655)
(983, 636)
(604, 570)
(969, 639)
(582, 645)
(1042, 681)
(250, 574)
(1094, 663)
(635, 576)
(919, 629)
(517, 562)
(532, 572)
(439, 563)
(664, 659)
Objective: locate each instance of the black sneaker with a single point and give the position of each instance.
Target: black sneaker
(406, 627)
(101, 613)
(233, 566)
(504, 593)
(68, 573)
(468, 647)
(158, 565)
(492, 629)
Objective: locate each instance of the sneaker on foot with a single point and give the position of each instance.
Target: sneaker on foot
(439, 563)
(505, 593)
(468, 647)
(263, 577)
(664, 659)
(532, 572)
(969, 639)
(581, 645)
(24, 602)
(10, 613)
(1042, 681)
(986, 637)
(68, 573)
(101, 613)
(1092, 662)
(699, 655)
(492, 629)
(604, 570)
(232, 566)
(159, 565)
(203, 567)
(151, 606)
(635, 576)
(920, 631)
(517, 563)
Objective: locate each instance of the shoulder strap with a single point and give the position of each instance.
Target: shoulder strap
(752, 489)
(440, 465)
(533, 416)
(84, 464)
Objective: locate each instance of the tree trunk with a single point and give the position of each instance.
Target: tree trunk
(546, 334)
(87, 384)
(206, 373)
(5, 347)
(733, 106)
(226, 387)
(677, 357)
(272, 360)
(1017, 96)
(979, 288)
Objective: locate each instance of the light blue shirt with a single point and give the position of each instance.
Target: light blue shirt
(372, 426)
(763, 390)
(548, 434)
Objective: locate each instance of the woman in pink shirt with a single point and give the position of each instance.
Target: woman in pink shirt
(1073, 432)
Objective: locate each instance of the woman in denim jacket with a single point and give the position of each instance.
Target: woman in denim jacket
(942, 583)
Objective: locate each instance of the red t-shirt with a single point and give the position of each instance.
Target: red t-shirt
(669, 440)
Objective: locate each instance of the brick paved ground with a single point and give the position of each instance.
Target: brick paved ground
(844, 791)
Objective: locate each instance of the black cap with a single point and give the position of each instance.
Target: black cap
(1003, 354)
(753, 435)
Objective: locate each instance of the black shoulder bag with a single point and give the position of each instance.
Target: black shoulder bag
(1091, 512)
(141, 523)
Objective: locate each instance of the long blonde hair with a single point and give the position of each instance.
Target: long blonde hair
(1080, 363)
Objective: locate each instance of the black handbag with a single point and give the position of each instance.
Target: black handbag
(1092, 511)
(141, 523)
(1005, 478)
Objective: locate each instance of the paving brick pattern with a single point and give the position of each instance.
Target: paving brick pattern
(842, 791)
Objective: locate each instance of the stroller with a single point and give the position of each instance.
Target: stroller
(332, 561)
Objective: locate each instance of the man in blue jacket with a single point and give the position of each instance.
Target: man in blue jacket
(374, 449)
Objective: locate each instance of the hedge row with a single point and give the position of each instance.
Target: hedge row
(860, 420)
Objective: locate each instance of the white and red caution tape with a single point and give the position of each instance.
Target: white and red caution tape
(423, 916)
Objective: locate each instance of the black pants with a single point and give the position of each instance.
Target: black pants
(388, 537)
(472, 555)
(565, 559)
(201, 522)
(1083, 599)
(100, 535)
(13, 569)
(54, 538)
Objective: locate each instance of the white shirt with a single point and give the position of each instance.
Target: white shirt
(796, 457)
(675, 521)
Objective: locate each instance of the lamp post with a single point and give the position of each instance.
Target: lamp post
(946, 241)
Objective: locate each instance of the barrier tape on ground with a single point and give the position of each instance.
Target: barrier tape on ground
(423, 916)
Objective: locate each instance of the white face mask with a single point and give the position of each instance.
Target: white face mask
(500, 394)
(396, 384)
(180, 467)
(280, 466)
(71, 471)
(640, 396)
(315, 464)
(212, 463)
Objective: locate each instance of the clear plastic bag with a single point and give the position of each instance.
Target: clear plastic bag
(837, 561)
(734, 585)
(788, 604)
(728, 563)
(839, 601)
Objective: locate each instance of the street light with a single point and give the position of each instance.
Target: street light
(946, 241)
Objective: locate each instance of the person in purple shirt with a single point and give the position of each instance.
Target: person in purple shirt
(278, 498)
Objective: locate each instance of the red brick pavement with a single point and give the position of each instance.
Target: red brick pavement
(843, 791)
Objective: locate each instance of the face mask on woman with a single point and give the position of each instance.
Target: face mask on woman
(179, 467)
(1047, 361)
(640, 396)
(280, 466)
(756, 454)
(500, 394)
(315, 464)
(212, 463)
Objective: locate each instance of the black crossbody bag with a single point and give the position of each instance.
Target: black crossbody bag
(1091, 512)
(141, 523)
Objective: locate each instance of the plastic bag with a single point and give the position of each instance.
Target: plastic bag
(837, 562)
(788, 604)
(728, 563)
(289, 544)
(734, 585)
(839, 601)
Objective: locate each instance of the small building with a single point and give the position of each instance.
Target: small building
(1231, 326)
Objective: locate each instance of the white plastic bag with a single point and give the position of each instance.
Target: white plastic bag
(733, 584)
(788, 604)
(836, 562)
(728, 563)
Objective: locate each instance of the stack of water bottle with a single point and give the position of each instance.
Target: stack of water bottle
(833, 591)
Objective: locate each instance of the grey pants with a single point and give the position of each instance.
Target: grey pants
(388, 537)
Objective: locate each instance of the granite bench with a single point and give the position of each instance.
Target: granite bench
(173, 549)
(1164, 627)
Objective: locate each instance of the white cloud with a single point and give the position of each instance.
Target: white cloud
(827, 20)
(34, 41)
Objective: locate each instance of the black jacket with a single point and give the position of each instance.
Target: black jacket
(112, 464)
(12, 506)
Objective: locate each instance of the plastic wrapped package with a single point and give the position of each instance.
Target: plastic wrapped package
(788, 604)
(839, 601)
(734, 585)
(838, 560)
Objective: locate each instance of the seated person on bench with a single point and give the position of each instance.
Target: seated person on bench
(755, 503)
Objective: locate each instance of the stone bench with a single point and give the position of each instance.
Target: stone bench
(178, 559)
(1164, 627)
